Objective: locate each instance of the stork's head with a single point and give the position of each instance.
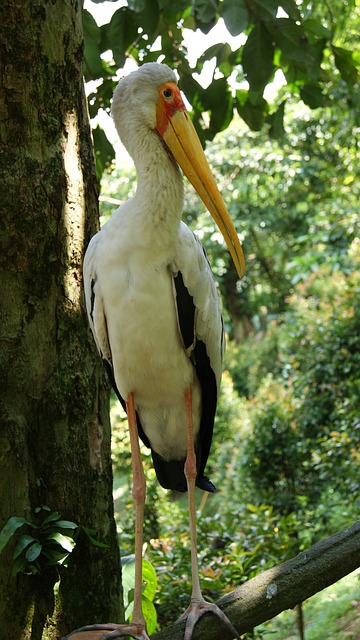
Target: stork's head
(149, 101)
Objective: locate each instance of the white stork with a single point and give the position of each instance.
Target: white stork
(154, 309)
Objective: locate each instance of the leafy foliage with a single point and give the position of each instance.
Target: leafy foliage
(49, 543)
(148, 594)
(306, 43)
(44, 544)
(287, 437)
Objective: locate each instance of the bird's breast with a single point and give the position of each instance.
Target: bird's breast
(142, 325)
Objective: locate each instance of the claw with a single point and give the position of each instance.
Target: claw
(108, 632)
(196, 610)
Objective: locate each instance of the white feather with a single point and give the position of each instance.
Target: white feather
(131, 263)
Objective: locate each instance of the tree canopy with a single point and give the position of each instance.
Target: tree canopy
(312, 44)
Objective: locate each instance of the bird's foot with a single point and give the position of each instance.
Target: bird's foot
(196, 610)
(109, 632)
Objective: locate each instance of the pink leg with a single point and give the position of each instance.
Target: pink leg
(198, 606)
(138, 492)
(136, 629)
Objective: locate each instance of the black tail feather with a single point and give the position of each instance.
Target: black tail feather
(171, 475)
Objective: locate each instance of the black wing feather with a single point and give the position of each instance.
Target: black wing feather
(171, 474)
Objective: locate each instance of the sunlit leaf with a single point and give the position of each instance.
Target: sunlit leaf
(150, 579)
(65, 542)
(149, 612)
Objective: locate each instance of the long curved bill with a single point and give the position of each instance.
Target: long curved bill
(181, 138)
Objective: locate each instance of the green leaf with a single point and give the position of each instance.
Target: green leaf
(92, 50)
(291, 9)
(276, 121)
(257, 60)
(114, 34)
(127, 577)
(66, 524)
(148, 592)
(317, 28)
(97, 543)
(149, 577)
(235, 15)
(104, 151)
(149, 18)
(52, 518)
(55, 556)
(20, 566)
(42, 508)
(265, 9)
(149, 612)
(312, 95)
(22, 544)
(222, 52)
(204, 10)
(253, 114)
(136, 5)
(65, 542)
(217, 99)
(344, 61)
(291, 39)
(33, 551)
(12, 525)
(88, 532)
(90, 535)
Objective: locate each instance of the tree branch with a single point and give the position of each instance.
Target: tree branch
(279, 588)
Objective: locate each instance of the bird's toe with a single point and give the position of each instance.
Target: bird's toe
(109, 632)
(196, 610)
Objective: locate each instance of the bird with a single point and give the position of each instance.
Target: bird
(155, 312)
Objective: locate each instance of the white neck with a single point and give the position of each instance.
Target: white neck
(159, 195)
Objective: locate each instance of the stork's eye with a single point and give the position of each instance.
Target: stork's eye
(167, 93)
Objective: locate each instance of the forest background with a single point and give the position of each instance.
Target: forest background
(285, 456)
(286, 447)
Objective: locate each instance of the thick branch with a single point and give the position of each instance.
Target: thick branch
(280, 588)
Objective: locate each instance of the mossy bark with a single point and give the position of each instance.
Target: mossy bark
(54, 424)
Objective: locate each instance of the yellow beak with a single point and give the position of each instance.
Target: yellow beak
(181, 138)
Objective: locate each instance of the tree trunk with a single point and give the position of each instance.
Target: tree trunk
(54, 424)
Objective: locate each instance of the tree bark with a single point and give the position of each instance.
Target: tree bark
(54, 423)
(279, 588)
